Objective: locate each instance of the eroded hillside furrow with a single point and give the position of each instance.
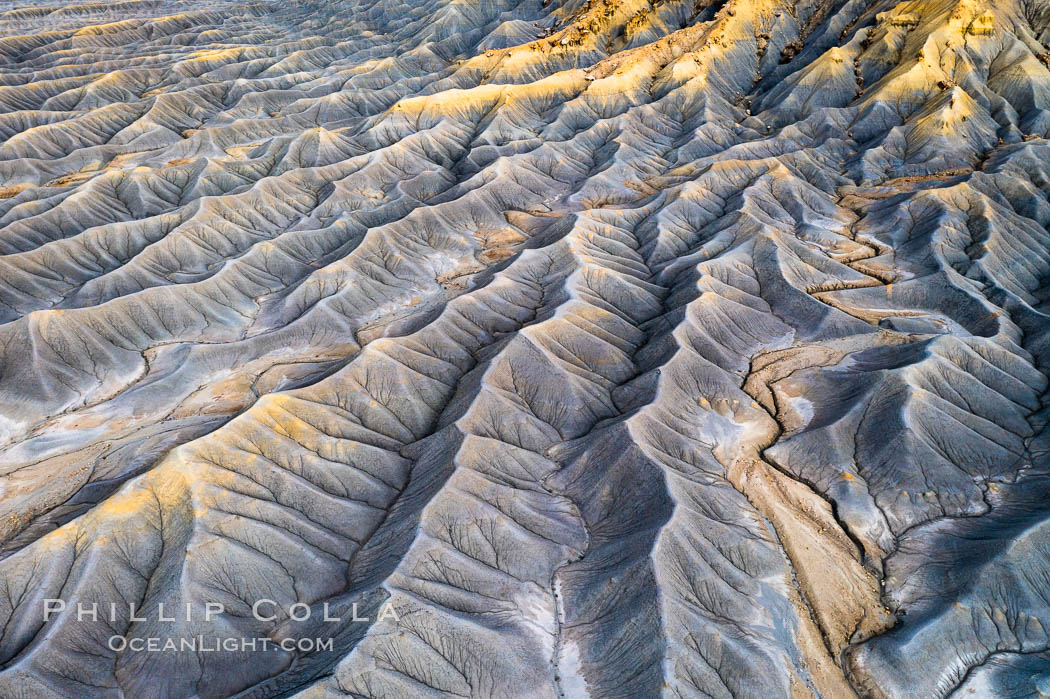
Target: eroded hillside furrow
(559, 348)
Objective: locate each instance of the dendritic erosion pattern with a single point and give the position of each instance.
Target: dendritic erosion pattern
(622, 348)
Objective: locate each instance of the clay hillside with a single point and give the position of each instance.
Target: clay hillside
(604, 348)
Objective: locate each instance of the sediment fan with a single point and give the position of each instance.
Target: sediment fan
(558, 349)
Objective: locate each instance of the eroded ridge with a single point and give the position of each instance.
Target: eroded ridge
(622, 348)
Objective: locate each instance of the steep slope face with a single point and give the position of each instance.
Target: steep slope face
(615, 348)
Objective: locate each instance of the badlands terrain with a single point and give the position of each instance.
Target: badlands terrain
(607, 348)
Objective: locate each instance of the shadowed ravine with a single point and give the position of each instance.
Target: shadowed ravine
(619, 348)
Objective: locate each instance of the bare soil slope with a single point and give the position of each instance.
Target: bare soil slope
(623, 348)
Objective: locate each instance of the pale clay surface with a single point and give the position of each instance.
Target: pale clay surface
(624, 348)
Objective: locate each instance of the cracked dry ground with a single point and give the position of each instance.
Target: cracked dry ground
(624, 348)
